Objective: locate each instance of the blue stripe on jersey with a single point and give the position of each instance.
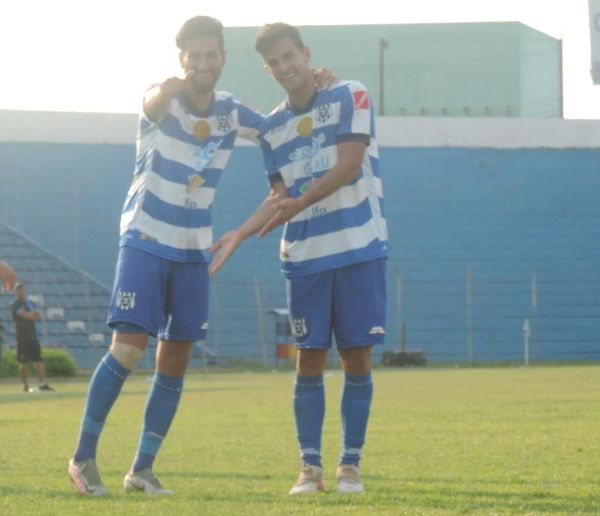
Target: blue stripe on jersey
(175, 215)
(179, 173)
(337, 220)
(375, 249)
(134, 238)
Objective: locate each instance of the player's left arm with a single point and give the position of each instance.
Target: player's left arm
(350, 155)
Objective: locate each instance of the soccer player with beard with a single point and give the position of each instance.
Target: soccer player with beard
(186, 134)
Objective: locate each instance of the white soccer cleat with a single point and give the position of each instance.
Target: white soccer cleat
(309, 481)
(86, 478)
(145, 481)
(348, 479)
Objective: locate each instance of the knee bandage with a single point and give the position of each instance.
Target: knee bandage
(126, 354)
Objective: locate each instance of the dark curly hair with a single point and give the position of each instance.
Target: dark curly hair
(200, 26)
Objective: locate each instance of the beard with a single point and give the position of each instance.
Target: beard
(205, 83)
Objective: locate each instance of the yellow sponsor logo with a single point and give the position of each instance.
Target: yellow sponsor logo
(305, 126)
(202, 129)
(194, 182)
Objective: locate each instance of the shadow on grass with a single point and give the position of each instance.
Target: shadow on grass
(22, 397)
(403, 498)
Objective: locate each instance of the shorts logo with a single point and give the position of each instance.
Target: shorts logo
(377, 330)
(204, 326)
(125, 300)
(299, 328)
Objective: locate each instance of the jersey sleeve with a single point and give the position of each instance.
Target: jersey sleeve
(273, 174)
(250, 121)
(355, 115)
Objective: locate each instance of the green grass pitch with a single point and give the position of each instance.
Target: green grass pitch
(440, 441)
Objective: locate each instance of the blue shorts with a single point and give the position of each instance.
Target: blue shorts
(167, 299)
(349, 301)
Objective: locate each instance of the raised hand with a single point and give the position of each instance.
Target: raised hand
(324, 78)
(8, 276)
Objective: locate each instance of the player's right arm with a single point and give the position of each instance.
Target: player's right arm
(158, 99)
(230, 241)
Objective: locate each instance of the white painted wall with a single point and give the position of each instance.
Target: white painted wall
(501, 133)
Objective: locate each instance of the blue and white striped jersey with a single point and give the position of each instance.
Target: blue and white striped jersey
(348, 226)
(178, 165)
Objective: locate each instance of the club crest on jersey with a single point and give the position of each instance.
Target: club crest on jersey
(125, 300)
(361, 100)
(305, 126)
(323, 113)
(224, 123)
(202, 129)
(299, 328)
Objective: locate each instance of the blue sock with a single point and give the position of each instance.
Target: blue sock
(356, 404)
(161, 407)
(309, 411)
(104, 389)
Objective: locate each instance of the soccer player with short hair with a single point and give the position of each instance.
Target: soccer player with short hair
(322, 162)
(185, 137)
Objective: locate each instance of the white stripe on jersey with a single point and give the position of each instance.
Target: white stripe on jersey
(178, 237)
(346, 197)
(326, 158)
(177, 194)
(331, 243)
(209, 155)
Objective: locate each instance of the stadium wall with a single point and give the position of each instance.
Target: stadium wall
(510, 201)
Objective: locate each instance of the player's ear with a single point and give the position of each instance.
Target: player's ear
(181, 58)
(268, 69)
(306, 53)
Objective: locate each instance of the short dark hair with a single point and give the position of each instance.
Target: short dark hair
(200, 26)
(273, 32)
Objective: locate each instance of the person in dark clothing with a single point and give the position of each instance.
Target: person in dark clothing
(25, 315)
